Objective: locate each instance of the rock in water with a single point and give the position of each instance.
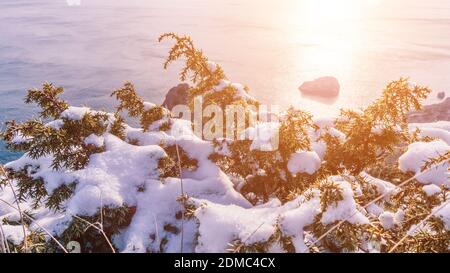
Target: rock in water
(176, 96)
(323, 87)
(441, 95)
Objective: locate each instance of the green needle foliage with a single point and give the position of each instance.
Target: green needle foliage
(370, 137)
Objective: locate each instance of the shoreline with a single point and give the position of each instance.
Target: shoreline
(432, 113)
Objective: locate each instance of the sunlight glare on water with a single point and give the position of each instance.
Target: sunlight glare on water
(272, 46)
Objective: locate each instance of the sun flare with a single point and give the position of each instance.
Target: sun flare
(324, 12)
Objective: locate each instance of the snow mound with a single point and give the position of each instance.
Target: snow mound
(75, 113)
(13, 234)
(95, 140)
(431, 190)
(383, 187)
(304, 162)
(219, 225)
(433, 130)
(418, 154)
(157, 208)
(345, 209)
(443, 213)
(387, 220)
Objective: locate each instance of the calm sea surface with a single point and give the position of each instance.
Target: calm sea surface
(270, 45)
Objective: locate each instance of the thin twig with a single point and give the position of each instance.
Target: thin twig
(182, 195)
(37, 224)
(4, 244)
(374, 201)
(97, 228)
(25, 244)
(101, 210)
(417, 226)
(248, 238)
(156, 227)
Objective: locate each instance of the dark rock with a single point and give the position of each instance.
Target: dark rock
(323, 87)
(432, 113)
(176, 96)
(441, 95)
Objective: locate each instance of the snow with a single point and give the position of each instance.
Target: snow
(324, 121)
(55, 124)
(241, 92)
(221, 85)
(19, 139)
(112, 178)
(320, 147)
(387, 220)
(95, 140)
(444, 125)
(6, 212)
(431, 190)
(161, 198)
(383, 187)
(212, 66)
(379, 129)
(106, 177)
(375, 209)
(157, 124)
(128, 175)
(264, 136)
(345, 209)
(336, 133)
(55, 222)
(148, 105)
(180, 128)
(325, 125)
(418, 154)
(13, 234)
(75, 113)
(443, 212)
(399, 216)
(434, 130)
(144, 139)
(208, 181)
(219, 225)
(304, 162)
(240, 89)
(41, 168)
(294, 221)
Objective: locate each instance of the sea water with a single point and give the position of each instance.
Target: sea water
(90, 47)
